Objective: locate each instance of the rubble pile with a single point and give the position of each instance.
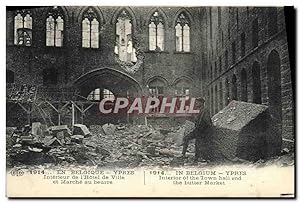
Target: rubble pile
(108, 145)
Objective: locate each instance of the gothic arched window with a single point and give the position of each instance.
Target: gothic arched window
(23, 28)
(156, 32)
(124, 47)
(54, 27)
(182, 33)
(90, 29)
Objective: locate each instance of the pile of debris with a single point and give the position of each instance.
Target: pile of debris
(105, 146)
(38, 144)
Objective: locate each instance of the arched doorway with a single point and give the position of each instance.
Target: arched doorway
(274, 88)
(116, 81)
(256, 83)
(106, 83)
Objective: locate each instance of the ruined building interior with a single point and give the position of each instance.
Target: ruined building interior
(63, 55)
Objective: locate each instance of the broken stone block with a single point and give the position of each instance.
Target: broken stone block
(178, 139)
(77, 138)
(166, 152)
(17, 146)
(27, 139)
(245, 130)
(109, 129)
(122, 127)
(80, 129)
(91, 144)
(34, 149)
(157, 136)
(102, 151)
(60, 128)
(144, 142)
(164, 131)
(53, 142)
(10, 130)
(36, 129)
(141, 155)
(285, 151)
(151, 149)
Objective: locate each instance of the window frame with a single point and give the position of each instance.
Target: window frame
(90, 20)
(133, 26)
(163, 21)
(55, 12)
(182, 30)
(23, 13)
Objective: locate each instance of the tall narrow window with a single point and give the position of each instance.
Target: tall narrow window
(156, 32)
(234, 88)
(212, 110)
(216, 99)
(124, 47)
(254, 33)
(226, 59)
(221, 95)
(256, 88)
(272, 21)
(219, 16)
(90, 29)
(227, 99)
(182, 90)
(244, 92)
(216, 69)
(23, 28)
(182, 30)
(242, 44)
(55, 27)
(228, 32)
(233, 53)
(222, 39)
(220, 64)
(203, 69)
(237, 17)
(210, 24)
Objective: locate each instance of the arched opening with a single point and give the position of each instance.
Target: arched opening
(256, 83)
(156, 31)
(274, 88)
(10, 76)
(90, 28)
(156, 89)
(182, 32)
(106, 83)
(244, 95)
(124, 45)
(233, 88)
(117, 82)
(182, 88)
